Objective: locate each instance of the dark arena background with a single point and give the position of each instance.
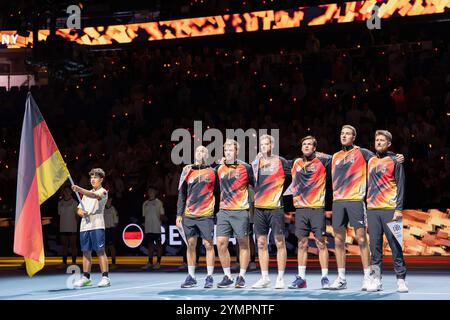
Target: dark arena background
(115, 84)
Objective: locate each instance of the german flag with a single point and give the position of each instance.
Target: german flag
(41, 172)
(133, 238)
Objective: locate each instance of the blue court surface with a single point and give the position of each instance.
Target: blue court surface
(166, 286)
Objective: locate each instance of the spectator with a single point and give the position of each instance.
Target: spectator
(111, 217)
(68, 224)
(153, 212)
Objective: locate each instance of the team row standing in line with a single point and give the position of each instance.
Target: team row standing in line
(353, 170)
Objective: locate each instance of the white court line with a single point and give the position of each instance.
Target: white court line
(107, 291)
(280, 292)
(447, 293)
(406, 293)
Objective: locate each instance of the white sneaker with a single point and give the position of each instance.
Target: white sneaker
(338, 284)
(105, 282)
(262, 283)
(280, 283)
(148, 266)
(82, 282)
(401, 286)
(252, 266)
(375, 285)
(366, 283)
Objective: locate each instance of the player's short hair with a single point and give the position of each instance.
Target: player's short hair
(201, 147)
(266, 136)
(347, 126)
(230, 142)
(99, 172)
(152, 187)
(384, 133)
(309, 138)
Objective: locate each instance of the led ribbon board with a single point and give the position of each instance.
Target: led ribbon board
(236, 23)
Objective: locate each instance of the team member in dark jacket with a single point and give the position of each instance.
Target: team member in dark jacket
(386, 180)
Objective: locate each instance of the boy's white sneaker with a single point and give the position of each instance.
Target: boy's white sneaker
(105, 282)
(82, 282)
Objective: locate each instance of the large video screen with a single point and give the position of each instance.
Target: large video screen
(236, 23)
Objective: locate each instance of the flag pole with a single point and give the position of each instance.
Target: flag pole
(78, 195)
